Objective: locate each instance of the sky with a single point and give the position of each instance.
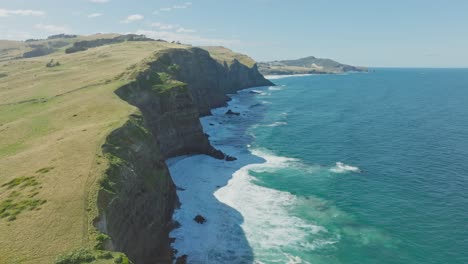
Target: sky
(374, 33)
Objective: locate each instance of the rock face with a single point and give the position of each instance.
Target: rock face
(138, 196)
(208, 80)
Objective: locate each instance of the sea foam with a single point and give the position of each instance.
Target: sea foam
(340, 167)
(246, 222)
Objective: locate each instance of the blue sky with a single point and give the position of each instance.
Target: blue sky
(411, 33)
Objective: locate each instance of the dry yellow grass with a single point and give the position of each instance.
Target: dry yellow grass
(222, 54)
(58, 118)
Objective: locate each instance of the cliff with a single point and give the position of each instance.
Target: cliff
(83, 143)
(137, 195)
(209, 80)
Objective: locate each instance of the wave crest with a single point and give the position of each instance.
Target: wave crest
(340, 167)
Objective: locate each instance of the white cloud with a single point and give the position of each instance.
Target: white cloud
(52, 28)
(99, 1)
(185, 30)
(182, 6)
(187, 38)
(176, 28)
(93, 15)
(132, 18)
(20, 12)
(167, 9)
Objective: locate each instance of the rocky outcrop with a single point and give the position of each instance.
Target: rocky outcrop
(137, 196)
(208, 80)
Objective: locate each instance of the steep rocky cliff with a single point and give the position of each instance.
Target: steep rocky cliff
(137, 196)
(209, 80)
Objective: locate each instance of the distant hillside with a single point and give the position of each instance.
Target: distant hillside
(304, 66)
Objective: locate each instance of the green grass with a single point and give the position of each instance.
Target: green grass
(45, 170)
(21, 182)
(10, 208)
(20, 198)
(85, 255)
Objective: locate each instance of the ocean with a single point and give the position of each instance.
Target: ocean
(351, 168)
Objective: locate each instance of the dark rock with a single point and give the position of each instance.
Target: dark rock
(230, 112)
(199, 219)
(182, 259)
(230, 158)
(255, 105)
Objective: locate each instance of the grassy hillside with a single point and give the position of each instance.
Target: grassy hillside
(16, 49)
(306, 65)
(53, 121)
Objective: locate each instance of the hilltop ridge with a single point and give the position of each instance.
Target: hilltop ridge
(306, 65)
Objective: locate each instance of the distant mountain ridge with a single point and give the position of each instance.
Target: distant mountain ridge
(306, 65)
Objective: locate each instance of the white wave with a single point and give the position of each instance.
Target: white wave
(273, 77)
(275, 124)
(295, 259)
(340, 167)
(268, 223)
(276, 88)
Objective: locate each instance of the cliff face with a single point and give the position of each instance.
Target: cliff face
(138, 196)
(209, 80)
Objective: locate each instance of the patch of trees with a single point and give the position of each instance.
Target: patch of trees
(61, 36)
(38, 50)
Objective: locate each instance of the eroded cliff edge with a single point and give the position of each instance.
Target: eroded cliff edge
(137, 195)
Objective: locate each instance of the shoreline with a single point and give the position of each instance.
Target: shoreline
(235, 208)
(198, 178)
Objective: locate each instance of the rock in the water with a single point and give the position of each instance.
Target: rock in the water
(181, 260)
(230, 112)
(199, 219)
(230, 158)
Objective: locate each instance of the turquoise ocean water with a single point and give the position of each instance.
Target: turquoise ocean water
(400, 191)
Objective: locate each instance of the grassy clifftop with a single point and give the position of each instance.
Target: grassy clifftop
(222, 54)
(54, 120)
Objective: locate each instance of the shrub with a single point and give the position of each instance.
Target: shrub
(105, 255)
(174, 69)
(76, 257)
(101, 240)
